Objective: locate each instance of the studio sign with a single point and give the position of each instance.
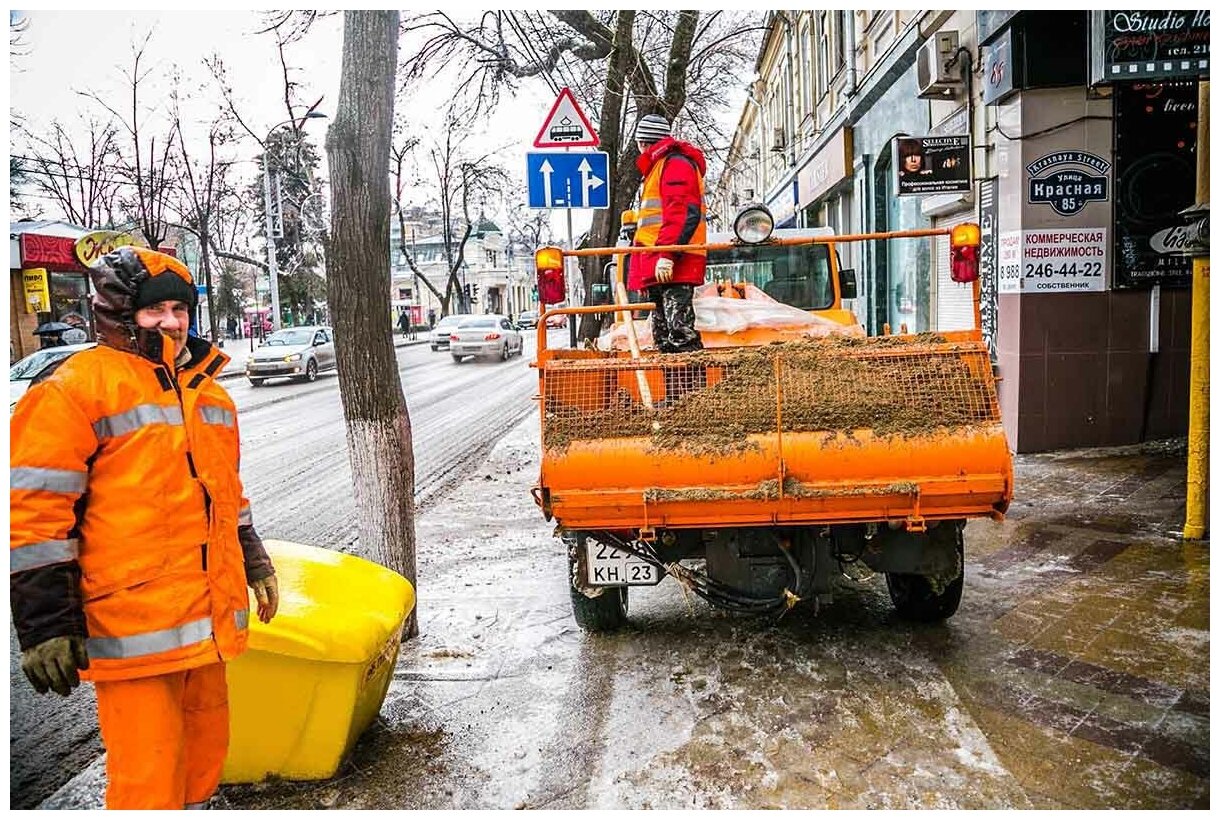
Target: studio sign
(1182, 240)
(1065, 182)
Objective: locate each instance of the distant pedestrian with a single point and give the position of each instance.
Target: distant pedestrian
(431, 318)
(404, 324)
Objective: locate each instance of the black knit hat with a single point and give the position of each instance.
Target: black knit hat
(167, 279)
(166, 285)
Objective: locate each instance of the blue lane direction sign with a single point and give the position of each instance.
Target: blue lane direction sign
(577, 179)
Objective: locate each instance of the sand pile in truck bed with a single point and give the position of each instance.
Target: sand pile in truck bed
(894, 385)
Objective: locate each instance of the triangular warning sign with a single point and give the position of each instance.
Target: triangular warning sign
(566, 126)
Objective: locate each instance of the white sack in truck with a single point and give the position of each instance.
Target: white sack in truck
(719, 314)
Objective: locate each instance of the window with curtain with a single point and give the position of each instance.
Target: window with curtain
(841, 24)
(806, 73)
(823, 51)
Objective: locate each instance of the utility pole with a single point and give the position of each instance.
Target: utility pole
(1197, 444)
(272, 268)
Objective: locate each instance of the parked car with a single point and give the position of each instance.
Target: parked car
(527, 319)
(488, 335)
(300, 353)
(439, 340)
(22, 374)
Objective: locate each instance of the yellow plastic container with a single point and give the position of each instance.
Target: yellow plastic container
(313, 679)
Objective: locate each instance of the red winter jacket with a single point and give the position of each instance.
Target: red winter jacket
(682, 217)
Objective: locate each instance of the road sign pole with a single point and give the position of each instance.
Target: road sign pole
(570, 281)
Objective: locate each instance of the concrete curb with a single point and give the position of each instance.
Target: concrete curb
(237, 372)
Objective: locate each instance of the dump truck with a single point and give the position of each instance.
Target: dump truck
(754, 472)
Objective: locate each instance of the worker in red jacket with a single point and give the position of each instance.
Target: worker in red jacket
(670, 211)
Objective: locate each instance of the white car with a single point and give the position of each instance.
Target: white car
(22, 374)
(299, 353)
(490, 335)
(439, 338)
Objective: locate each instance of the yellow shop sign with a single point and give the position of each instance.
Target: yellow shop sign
(37, 290)
(92, 246)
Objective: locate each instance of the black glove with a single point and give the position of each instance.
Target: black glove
(53, 664)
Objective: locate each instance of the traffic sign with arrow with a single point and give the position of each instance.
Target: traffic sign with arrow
(569, 180)
(566, 126)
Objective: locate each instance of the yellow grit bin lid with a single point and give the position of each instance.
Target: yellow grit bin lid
(333, 607)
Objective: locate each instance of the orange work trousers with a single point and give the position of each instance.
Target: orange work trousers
(166, 738)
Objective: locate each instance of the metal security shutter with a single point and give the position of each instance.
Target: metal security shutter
(954, 301)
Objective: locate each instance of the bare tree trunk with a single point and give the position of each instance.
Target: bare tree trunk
(378, 427)
(605, 226)
(205, 257)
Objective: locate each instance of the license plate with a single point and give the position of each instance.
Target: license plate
(608, 567)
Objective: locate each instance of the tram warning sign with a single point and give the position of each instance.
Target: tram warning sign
(566, 126)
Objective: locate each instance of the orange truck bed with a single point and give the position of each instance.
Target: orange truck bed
(904, 429)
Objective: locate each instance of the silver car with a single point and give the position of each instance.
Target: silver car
(22, 374)
(439, 338)
(299, 353)
(490, 335)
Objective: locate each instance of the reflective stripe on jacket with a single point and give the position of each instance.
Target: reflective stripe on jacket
(671, 211)
(124, 474)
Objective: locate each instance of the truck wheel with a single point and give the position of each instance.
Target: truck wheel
(915, 597)
(605, 613)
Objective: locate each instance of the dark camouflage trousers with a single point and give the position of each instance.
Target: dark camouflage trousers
(673, 322)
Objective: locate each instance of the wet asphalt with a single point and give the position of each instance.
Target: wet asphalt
(1074, 676)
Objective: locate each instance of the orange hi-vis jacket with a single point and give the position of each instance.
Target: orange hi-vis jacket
(130, 470)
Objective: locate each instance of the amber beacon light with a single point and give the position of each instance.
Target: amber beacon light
(548, 263)
(964, 252)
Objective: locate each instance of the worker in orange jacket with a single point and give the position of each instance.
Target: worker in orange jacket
(131, 542)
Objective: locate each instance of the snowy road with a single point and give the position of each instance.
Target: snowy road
(296, 473)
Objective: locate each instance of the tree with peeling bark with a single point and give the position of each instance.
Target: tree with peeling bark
(622, 64)
(375, 410)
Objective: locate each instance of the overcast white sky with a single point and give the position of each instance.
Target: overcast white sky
(71, 52)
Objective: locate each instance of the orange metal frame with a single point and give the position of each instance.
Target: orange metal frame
(623, 483)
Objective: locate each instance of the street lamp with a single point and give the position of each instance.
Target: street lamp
(272, 267)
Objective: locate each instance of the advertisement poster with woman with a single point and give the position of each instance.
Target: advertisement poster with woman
(933, 165)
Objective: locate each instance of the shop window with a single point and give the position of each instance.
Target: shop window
(909, 262)
(69, 293)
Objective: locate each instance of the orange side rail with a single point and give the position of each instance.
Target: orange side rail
(724, 246)
(541, 329)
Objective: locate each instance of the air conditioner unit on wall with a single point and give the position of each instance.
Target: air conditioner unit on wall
(777, 140)
(937, 72)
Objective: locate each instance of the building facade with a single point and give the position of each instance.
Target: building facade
(1056, 133)
(495, 277)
